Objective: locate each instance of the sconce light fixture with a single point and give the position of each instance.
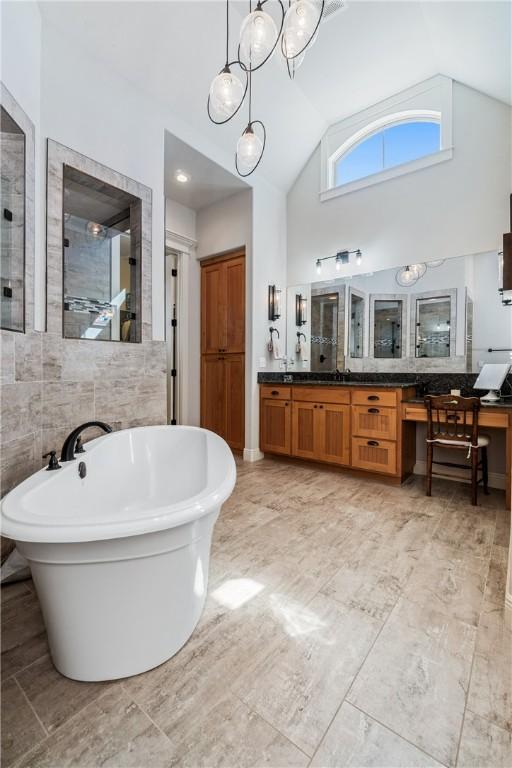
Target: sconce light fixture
(301, 304)
(340, 258)
(274, 302)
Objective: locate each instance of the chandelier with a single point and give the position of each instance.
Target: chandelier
(260, 36)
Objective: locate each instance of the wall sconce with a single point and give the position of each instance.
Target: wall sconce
(301, 304)
(340, 258)
(274, 302)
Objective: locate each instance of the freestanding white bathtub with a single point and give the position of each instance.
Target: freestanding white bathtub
(120, 558)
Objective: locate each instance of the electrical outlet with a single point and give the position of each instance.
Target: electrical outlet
(263, 362)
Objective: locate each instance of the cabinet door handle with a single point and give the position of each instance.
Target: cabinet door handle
(320, 406)
(373, 410)
(275, 392)
(373, 397)
(315, 406)
(287, 403)
(372, 442)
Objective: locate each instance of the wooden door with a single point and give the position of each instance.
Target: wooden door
(275, 426)
(234, 277)
(213, 308)
(305, 426)
(334, 433)
(234, 366)
(213, 393)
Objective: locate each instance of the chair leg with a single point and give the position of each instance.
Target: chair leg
(474, 476)
(430, 457)
(485, 470)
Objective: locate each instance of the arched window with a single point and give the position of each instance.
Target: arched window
(386, 143)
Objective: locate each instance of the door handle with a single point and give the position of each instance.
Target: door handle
(275, 392)
(320, 406)
(373, 410)
(372, 442)
(373, 397)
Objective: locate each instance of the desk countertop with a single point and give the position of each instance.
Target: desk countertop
(503, 403)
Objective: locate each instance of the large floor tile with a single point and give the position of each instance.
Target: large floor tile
(54, 697)
(299, 686)
(471, 528)
(495, 587)
(235, 737)
(490, 693)
(355, 740)
(20, 728)
(449, 580)
(484, 745)
(112, 731)
(415, 679)
(23, 634)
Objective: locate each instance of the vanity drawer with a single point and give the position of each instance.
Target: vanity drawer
(374, 421)
(322, 395)
(373, 397)
(275, 393)
(374, 455)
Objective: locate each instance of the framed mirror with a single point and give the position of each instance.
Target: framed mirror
(433, 327)
(98, 250)
(387, 326)
(16, 215)
(356, 325)
(101, 260)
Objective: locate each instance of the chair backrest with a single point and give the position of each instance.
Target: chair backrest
(451, 417)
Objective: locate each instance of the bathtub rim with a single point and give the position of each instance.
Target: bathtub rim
(162, 517)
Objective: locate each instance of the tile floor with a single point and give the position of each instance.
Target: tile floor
(348, 623)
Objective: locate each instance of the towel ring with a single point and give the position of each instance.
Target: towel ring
(273, 330)
(299, 334)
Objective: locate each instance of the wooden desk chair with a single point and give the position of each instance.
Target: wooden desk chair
(453, 423)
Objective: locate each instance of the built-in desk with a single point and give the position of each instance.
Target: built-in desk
(495, 416)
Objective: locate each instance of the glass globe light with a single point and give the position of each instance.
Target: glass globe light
(95, 231)
(406, 276)
(258, 36)
(226, 95)
(299, 28)
(420, 269)
(249, 149)
(436, 263)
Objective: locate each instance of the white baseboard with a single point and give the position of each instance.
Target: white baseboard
(496, 480)
(252, 454)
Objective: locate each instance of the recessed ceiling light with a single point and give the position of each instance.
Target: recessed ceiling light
(182, 177)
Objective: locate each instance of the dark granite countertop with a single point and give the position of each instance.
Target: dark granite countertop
(349, 383)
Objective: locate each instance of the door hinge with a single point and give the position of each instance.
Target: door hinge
(174, 272)
(174, 322)
(173, 421)
(173, 372)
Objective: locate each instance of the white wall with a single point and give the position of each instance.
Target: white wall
(180, 220)
(455, 208)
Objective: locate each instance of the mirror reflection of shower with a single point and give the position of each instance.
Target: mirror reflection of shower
(324, 331)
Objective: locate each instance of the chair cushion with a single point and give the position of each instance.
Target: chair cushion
(483, 440)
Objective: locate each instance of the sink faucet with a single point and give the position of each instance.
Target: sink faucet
(342, 375)
(68, 449)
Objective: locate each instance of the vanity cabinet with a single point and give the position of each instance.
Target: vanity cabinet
(346, 426)
(321, 432)
(275, 425)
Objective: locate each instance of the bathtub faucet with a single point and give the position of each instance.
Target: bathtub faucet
(68, 449)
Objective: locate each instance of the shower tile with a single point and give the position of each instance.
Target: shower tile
(28, 356)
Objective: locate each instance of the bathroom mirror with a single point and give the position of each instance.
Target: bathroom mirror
(449, 318)
(13, 218)
(387, 327)
(101, 260)
(356, 328)
(433, 327)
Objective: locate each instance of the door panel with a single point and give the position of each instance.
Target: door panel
(213, 308)
(213, 394)
(276, 419)
(334, 433)
(235, 304)
(305, 430)
(235, 411)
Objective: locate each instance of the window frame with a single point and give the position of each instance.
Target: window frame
(430, 98)
(373, 129)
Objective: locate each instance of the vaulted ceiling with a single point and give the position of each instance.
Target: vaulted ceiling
(364, 53)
